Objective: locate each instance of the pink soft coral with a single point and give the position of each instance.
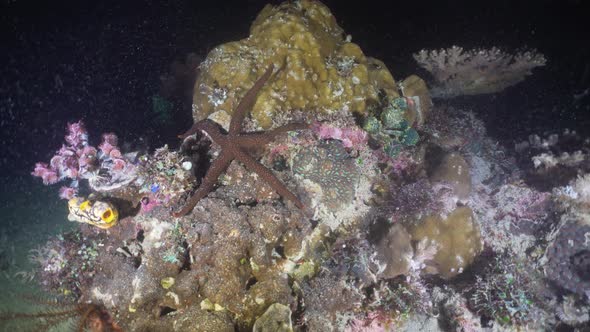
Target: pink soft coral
(45, 172)
(78, 160)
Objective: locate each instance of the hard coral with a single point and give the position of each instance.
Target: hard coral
(454, 171)
(332, 168)
(472, 72)
(323, 71)
(395, 252)
(456, 237)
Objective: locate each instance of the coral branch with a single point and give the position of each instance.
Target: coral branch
(105, 168)
(458, 72)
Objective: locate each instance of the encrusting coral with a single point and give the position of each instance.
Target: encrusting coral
(329, 166)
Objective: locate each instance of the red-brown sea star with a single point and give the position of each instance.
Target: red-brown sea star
(233, 146)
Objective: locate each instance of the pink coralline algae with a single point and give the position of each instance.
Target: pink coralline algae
(78, 160)
(148, 203)
(67, 192)
(374, 321)
(350, 137)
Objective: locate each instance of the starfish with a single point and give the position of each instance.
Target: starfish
(234, 144)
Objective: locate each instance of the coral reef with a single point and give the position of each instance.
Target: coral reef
(365, 208)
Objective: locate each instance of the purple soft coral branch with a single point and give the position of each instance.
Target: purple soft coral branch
(350, 137)
(78, 160)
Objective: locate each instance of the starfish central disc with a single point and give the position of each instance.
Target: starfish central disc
(234, 145)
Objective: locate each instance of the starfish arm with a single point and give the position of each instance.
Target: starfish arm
(249, 140)
(247, 102)
(192, 130)
(215, 170)
(267, 176)
(212, 129)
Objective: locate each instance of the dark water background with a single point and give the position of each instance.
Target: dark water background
(101, 61)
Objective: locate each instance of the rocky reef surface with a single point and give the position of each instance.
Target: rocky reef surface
(412, 218)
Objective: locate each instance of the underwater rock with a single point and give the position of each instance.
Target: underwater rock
(192, 319)
(231, 253)
(572, 313)
(327, 296)
(568, 256)
(277, 318)
(511, 217)
(232, 257)
(321, 70)
(453, 129)
(245, 186)
(457, 238)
